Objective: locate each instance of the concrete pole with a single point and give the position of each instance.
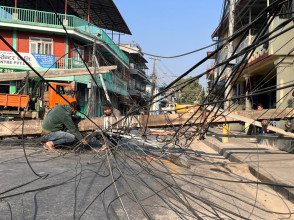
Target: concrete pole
(65, 22)
(89, 2)
(14, 15)
(153, 80)
(248, 105)
(65, 11)
(228, 92)
(153, 77)
(230, 47)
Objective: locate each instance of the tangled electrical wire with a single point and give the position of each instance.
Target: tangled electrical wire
(135, 167)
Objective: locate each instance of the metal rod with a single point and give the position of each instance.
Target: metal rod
(89, 1)
(65, 12)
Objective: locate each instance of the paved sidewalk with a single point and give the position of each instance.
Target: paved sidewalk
(268, 164)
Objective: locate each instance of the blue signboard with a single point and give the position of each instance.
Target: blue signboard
(45, 61)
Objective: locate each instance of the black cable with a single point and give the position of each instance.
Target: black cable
(76, 187)
(24, 150)
(182, 179)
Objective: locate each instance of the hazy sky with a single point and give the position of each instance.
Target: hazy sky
(171, 27)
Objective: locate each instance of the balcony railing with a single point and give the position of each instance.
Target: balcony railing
(114, 83)
(120, 86)
(258, 52)
(134, 92)
(68, 63)
(139, 73)
(242, 45)
(48, 19)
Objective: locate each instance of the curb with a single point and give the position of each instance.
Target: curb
(286, 192)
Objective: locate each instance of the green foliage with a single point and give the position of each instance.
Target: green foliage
(190, 93)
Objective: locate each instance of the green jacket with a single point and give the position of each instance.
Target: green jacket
(60, 116)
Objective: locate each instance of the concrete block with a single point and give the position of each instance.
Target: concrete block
(180, 160)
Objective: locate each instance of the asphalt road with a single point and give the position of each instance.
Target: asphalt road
(136, 181)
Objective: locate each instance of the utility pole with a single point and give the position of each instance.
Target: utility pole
(228, 85)
(153, 78)
(91, 108)
(145, 121)
(92, 104)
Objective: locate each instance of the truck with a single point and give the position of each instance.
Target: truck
(38, 103)
(173, 108)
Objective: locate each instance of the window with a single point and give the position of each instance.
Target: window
(76, 55)
(64, 90)
(41, 45)
(60, 90)
(4, 87)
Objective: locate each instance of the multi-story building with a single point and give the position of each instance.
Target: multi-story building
(138, 78)
(268, 66)
(35, 30)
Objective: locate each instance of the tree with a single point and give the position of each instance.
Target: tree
(190, 92)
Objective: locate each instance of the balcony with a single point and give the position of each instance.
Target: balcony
(257, 53)
(119, 85)
(243, 44)
(68, 63)
(138, 72)
(134, 92)
(48, 19)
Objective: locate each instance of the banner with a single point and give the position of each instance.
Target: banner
(45, 61)
(8, 58)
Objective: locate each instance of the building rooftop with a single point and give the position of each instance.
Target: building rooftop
(134, 52)
(103, 13)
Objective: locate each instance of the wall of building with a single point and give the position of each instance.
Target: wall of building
(23, 42)
(8, 35)
(280, 47)
(277, 45)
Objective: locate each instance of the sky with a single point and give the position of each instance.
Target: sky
(171, 27)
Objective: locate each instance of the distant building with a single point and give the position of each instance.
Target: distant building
(138, 78)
